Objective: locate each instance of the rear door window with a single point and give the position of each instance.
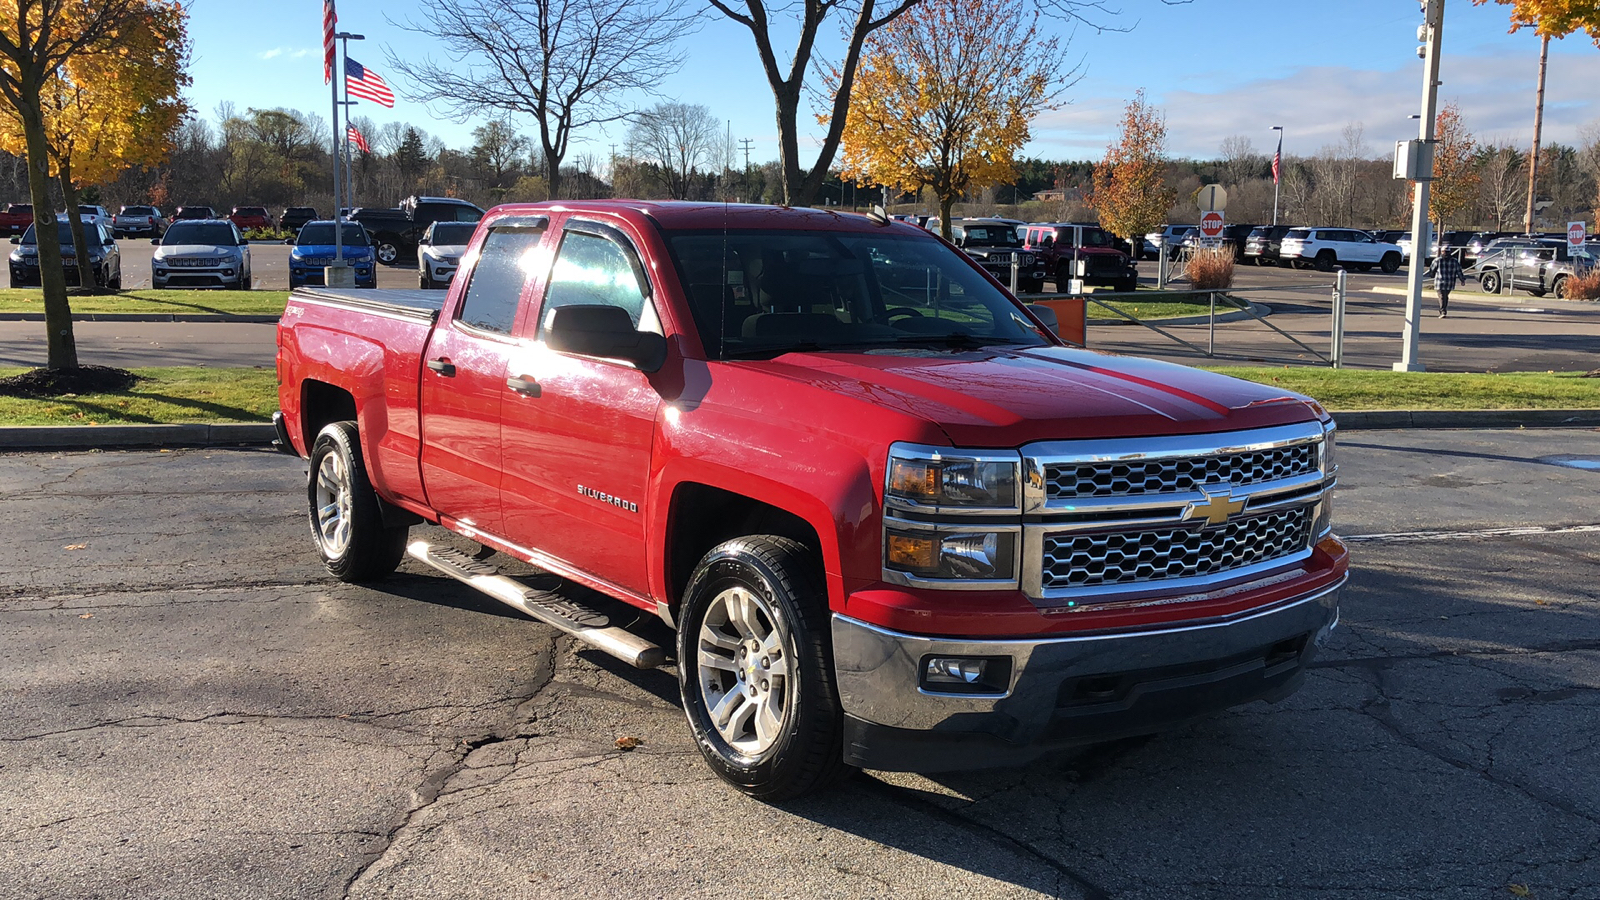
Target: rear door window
(506, 262)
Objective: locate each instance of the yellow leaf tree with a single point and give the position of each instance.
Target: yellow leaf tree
(54, 56)
(1130, 193)
(1553, 18)
(1456, 177)
(943, 98)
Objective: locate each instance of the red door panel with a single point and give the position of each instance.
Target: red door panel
(461, 411)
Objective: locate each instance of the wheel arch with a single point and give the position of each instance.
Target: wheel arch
(700, 516)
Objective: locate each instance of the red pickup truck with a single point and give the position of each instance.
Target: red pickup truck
(891, 519)
(16, 218)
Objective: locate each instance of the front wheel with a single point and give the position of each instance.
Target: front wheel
(424, 282)
(755, 668)
(1559, 287)
(1390, 264)
(387, 252)
(1489, 282)
(345, 517)
(1326, 261)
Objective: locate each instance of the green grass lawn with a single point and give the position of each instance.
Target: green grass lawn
(221, 303)
(163, 396)
(1357, 389)
(194, 394)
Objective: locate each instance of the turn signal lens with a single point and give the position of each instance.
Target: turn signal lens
(915, 554)
(917, 480)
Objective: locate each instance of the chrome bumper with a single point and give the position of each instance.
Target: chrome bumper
(1064, 691)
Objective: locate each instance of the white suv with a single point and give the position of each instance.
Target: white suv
(1172, 235)
(1326, 248)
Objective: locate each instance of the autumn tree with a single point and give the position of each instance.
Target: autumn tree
(1456, 175)
(675, 140)
(38, 38)
(1553, 18)
(942, 100)
(567, 65)
(1130, 194)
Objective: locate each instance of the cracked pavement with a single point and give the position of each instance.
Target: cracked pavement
(191, 708)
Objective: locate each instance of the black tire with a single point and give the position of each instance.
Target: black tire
(1558, 287)
(424, 282)
(367, 550)
(246, 282)
(387, 251)
(1489, 282)
(1326, 260)
(1128, 286)
(116, 283)
(804, 751)
(1363, 267)
(1390, 264)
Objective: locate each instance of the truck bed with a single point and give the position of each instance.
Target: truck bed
(408, 302)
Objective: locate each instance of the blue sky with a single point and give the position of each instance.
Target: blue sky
(1216, 67)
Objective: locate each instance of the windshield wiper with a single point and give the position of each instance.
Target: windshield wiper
(770, 352)
(955, 340)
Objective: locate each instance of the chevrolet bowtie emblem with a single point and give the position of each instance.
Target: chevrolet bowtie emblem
(1215, 509)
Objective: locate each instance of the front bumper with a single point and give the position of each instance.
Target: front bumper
(302, 276)
(1064, 691)
(162, 276)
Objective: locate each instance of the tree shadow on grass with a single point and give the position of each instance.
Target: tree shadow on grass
(104, 410)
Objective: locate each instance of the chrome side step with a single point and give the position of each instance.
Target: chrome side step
(576, 618)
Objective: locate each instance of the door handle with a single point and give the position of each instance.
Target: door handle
(525, 386)
(443, 366)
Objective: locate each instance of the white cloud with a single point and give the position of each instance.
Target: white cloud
(1314, 103)
(270, 54)
(301, 53)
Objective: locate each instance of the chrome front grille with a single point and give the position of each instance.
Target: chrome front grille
(1151, 519)
(1165, 476)
(1133, 557)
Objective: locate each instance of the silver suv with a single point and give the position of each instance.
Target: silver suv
(1325, 248)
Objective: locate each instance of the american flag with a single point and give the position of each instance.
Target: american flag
(329, 20)
(354, 136)
(360, 81)
(1277, 159)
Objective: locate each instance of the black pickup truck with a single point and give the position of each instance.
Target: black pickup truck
(395, 232)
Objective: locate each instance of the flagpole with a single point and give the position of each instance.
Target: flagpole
(1277, 173)
(345, 38)
(338, 234)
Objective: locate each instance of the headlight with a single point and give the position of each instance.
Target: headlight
(951, 555)
(929, 478)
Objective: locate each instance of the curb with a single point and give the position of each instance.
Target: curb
(201, 434)
(216, 318)
(93, 437)
(1520, 298)
(1370, 420)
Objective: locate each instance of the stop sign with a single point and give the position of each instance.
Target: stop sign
(1575, 234)
(1211, 224)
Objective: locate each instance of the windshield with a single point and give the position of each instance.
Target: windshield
(763, 293)
(986, 235)
(322, 233)
(446, 235)
(63, 234)
(199, 233)
(1096, 237)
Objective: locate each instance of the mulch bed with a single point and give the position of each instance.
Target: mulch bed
(58, 382)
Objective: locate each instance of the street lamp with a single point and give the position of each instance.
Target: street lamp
(1277, 169)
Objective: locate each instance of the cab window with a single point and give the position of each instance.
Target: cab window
(591, 270)
(504, 266)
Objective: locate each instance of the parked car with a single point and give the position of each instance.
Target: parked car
(248, 217)
(314, 250)
(138, 221)
(194, 212)
(1056, 246)
(994, 243)
(1326, 248)
(1233, 237)
(1263, 243)
(1171, 235)
(201, 253)
(16, 218)
(95, 214)
(1538, 265)
(751, 424)
(395, 232)
(1472, 251)
(105, 259)
(440, 250)
(1389, 236)
(294, 218)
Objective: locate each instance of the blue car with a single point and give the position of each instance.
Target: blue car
(314, 250)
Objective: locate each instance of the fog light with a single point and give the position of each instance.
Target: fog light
(227, 271)
(955, 670)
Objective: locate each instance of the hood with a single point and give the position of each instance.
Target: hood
(302, 251)
(166, 250)
(1006, 397)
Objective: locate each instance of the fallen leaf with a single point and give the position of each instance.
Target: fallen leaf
(1519, 890)
(87, 616)
(74, 546)
(628, 743)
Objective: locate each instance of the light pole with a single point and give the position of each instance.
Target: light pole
(1432, 32)
(1277, 170)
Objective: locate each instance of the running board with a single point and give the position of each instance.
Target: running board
(573, 616)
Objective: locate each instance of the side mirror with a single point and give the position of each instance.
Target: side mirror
(606, 332)
(1046, 315)
(289, 241)
(16, 239)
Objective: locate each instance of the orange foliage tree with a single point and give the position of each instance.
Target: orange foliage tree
(1556, 18)
(1456, 175)
(943, 99)
(1130, 193)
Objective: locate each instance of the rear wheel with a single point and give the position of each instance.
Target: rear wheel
(387, 251)
(755, 668)
(345, 516)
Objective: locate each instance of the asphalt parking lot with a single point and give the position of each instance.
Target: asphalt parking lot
(192, 709)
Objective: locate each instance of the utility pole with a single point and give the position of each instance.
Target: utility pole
(1538, 120)
(745, 143)
(1432, 32)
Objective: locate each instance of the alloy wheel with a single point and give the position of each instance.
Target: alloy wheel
(334, 500)
(742, 670)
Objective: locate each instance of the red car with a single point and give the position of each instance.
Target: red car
(891, 520)
(247, 217)
(16, 218)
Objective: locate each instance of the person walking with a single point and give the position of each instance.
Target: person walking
(1446, 272)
